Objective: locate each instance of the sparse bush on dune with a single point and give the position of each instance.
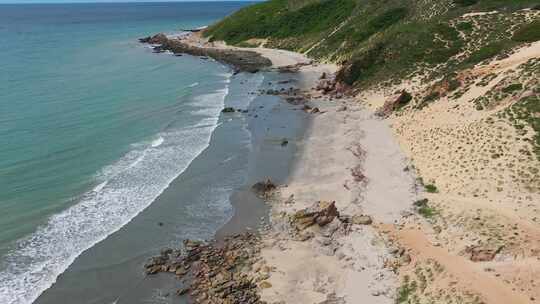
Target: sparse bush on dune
(528, 33)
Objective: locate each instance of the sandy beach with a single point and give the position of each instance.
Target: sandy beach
(354, 222)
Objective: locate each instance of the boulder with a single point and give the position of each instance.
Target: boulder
(228, 110)
(321, 213)
(395, 102)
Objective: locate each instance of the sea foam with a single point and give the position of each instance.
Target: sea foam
(125, 189)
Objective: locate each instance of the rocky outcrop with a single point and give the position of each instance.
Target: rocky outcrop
(321, 214)
(218, 273)
(241, 61)
(264, 189)
(329, 86)
(482, 254)
(395, 102)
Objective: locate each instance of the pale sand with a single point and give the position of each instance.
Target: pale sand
(338, 141)
(279, 58)
(482, 199)
(449, 144)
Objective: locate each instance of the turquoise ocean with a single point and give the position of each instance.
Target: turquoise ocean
(93, 126)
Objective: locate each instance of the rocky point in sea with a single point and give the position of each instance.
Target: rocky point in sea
(240, 60)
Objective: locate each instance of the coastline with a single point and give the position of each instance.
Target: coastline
(347, 156)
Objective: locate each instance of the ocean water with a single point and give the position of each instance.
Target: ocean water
(94, 127)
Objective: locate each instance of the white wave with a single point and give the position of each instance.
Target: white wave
(132, 184)
(100, 186)
(193, 85)
(156, 143)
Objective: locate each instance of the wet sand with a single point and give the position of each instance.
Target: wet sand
(244, 149)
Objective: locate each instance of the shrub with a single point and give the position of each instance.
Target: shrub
(465, 2)
(431, 188)
(512, 88)
(424, 209)
(464, 26)
(453, 84)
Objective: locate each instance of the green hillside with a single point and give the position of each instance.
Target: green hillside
(384, 40)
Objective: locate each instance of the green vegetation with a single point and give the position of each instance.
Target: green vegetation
(273, 19)
(487, 52)
(406, 291)
(424, 209)
(527, 112)
(377, 41)
(528, 33)
(431, 188)
(513, 87)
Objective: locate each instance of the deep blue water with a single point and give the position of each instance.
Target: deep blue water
(93, 126)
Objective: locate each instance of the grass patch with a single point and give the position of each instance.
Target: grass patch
(528, 33)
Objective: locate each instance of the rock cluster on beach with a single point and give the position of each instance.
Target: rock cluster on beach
(216, 272)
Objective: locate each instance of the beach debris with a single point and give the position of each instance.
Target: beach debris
(315, 110)
(357, 174)
(264, 188)
(321, 213)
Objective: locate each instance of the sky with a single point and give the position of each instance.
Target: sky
(98, 1)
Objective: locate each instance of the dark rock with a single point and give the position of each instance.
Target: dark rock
(228, 110)
(395, 102)
(240, 60)
(284, 142)
(263, 188)
(321, 213)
